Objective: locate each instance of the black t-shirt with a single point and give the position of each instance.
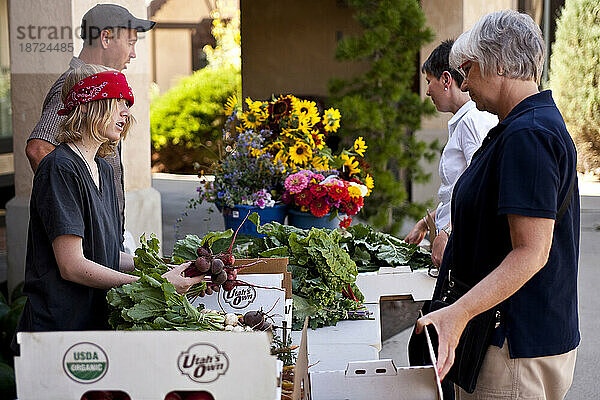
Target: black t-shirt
(525, 167)
(65, 201)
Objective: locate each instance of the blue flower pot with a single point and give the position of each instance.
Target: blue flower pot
(306, 220)
(233, 217)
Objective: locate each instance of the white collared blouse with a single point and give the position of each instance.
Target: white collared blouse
(466, 130)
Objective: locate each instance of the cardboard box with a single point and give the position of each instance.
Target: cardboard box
(268, 266)
(378, 379)
(332, 347)
(249, 298)
(265, 272)
(398, 283)
(146, 364)
(301, 376)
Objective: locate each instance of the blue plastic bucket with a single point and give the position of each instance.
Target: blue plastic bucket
(306, 220)
(233, 217)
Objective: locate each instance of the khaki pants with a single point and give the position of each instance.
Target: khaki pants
(503, 378)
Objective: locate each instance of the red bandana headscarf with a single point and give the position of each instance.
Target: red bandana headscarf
(103, 85)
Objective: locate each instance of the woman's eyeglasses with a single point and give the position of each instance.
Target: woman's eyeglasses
(464, 68)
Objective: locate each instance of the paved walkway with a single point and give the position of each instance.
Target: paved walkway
(176, 192)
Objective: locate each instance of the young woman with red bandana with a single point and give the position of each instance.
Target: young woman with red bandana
(74, 240)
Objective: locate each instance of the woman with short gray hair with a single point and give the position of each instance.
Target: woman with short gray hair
(515, 219)
(505, 42)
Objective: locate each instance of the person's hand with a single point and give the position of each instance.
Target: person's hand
(438, 247)
(449, 323)
(182, 284)
(417, 233)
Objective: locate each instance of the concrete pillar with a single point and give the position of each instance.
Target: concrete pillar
(448, 19)
(32, 74)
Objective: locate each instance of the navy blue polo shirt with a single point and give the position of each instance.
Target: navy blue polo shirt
(525, 166)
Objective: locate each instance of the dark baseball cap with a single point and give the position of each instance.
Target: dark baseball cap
(105, 16)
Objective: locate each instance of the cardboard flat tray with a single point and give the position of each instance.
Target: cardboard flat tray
(396, 284)
(269, 266)
(332, 347)
(376, 379)
(145, 364)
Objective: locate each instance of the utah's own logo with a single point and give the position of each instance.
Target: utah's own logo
(203, 362)
(240, 296)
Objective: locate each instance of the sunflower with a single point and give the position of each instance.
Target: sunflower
(281, 107)
(300, 153)
(318, 139)
(370, 183)
(360, 146)
(307, 109)
(256, 114)
(350, 165)
(331, 120)
(231, 105)
(320, 163)
(281, 156)
(304, 123)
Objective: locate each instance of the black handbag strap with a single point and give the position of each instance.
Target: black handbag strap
(565, 204)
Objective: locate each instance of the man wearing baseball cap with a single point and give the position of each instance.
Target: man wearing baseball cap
(106, 16)
(110, 35)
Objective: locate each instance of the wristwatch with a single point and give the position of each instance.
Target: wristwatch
(447, 229)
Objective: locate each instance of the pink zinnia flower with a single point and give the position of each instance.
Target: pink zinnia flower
(318, 177)
(295, 183)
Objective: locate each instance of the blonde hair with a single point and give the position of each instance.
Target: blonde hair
(95, 119)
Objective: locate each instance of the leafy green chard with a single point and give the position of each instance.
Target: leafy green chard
(372, 250)
(323, 274)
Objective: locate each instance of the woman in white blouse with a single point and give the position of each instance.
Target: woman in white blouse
(466, 129)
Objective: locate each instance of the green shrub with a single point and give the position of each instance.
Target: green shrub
(9, 317)
(186, 122)
(575, 77)
(382, 106)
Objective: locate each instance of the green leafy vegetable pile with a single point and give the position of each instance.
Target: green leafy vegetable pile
(323, 274)
(152, 303)
(147, 258)
(147, 261)
(372, 250)
(185, 249)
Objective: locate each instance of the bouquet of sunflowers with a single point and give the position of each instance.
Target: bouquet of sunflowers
(269, 142)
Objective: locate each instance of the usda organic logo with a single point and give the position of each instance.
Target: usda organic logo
(85, 362)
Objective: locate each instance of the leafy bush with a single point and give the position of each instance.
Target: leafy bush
(186, 122)
(9, 317)
(382, 106)
(575, 77)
